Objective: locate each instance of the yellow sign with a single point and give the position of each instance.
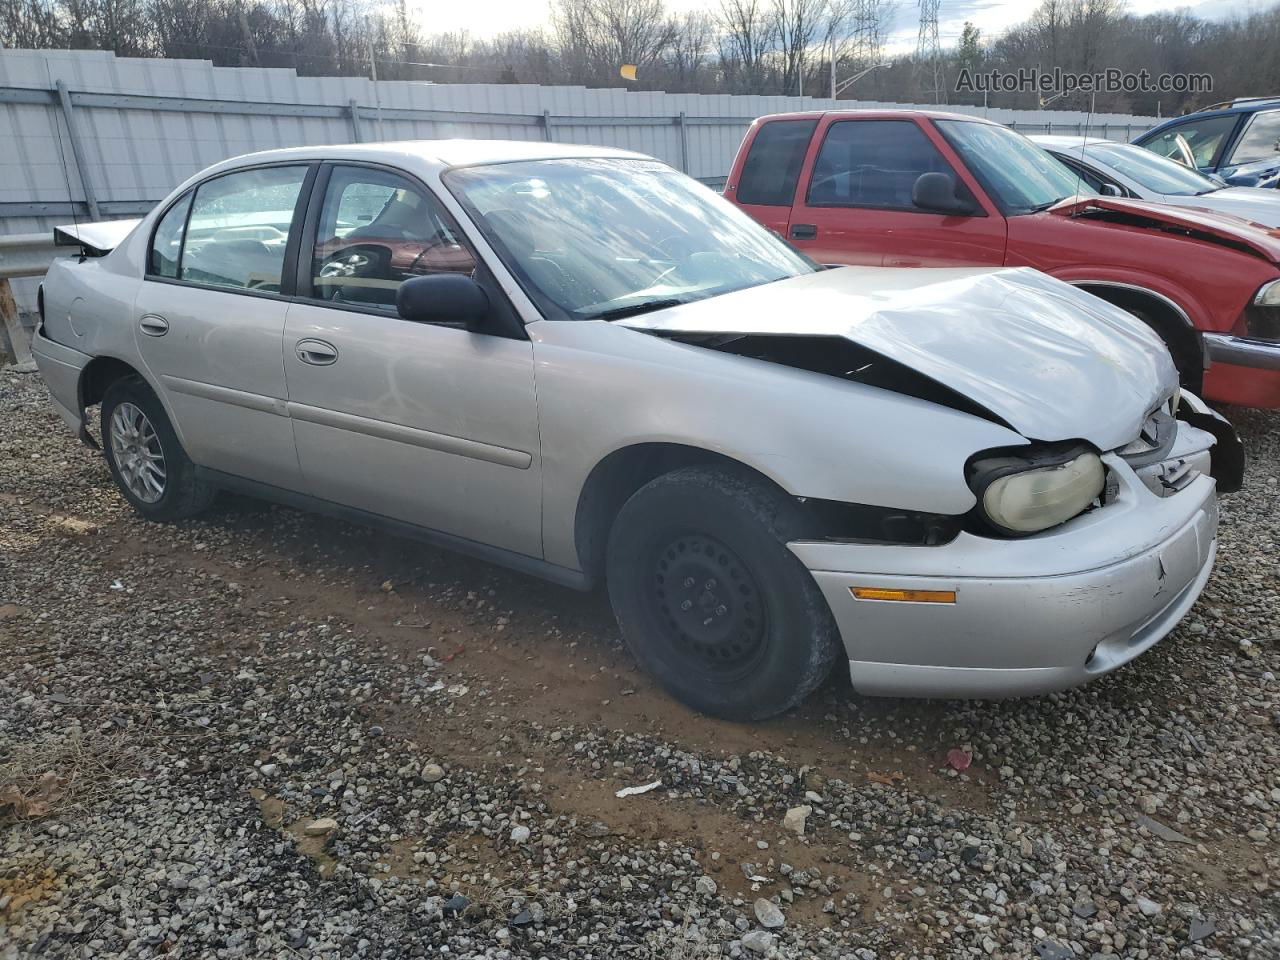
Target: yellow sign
(628, 71)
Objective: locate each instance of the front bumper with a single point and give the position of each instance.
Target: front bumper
(1241, 371)
(1033, 615)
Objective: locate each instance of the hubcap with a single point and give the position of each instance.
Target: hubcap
(137, 453)
(709, 603)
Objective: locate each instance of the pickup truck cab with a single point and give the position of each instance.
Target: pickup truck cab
(906, 188)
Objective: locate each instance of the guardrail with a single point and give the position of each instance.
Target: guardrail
(22, 255)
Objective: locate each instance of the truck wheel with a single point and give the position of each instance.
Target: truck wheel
(711, 601)
(146, 460)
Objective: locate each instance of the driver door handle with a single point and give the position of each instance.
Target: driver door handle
(318, 353)
(803, 231)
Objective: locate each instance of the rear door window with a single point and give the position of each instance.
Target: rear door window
(239, 227)
(873, 163)
(772, 168)
(166, 243)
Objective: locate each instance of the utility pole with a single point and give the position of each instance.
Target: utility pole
(929, 50)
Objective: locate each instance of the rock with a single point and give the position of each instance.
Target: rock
(1200, 929)
(1149, 908)
(433, 773)
(320, 828)
(596, 828)
(769, 914)
(758, 941)
(795, 818)
(268, 769)
(1165, 833)
(455, 904)
(705, 886)
(520, 834)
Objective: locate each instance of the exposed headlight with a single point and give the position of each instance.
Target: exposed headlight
(1262, 317)
(1021, 495)
(1269, 295)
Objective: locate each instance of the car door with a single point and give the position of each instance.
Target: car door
(854, 205)
(424, 423)
(210, 315)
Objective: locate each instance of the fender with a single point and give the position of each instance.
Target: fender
(1185, 305)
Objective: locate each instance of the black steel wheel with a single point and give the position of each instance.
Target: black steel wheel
(709, 598)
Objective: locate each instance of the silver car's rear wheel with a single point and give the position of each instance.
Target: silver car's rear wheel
(146, 458)
(138, 454)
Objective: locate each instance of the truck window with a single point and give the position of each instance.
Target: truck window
(773, 164)
(872, 163)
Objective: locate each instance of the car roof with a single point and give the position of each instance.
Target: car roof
(437, 154)
(886, 113)
(1059, 142)
(1260, 105)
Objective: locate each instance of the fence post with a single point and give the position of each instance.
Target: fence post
(13, 326)
(76, 155)
(684, 143)
(546, 125)
(354, 112)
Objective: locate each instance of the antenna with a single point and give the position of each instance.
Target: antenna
(928, 49)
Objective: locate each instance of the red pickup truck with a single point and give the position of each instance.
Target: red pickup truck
(923, 189)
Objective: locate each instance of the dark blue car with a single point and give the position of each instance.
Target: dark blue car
(1238, 141)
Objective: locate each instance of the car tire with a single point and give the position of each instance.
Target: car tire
(710, 600)
(144, 456)
(1188, 361)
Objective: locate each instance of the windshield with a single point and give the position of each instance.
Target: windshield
(1020, 176)
(600, 238)
(1151, 171)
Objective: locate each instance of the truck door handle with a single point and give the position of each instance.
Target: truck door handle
(153, 325)
(316, 352)
(803, 231)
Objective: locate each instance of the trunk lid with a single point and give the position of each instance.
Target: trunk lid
(1051, 361)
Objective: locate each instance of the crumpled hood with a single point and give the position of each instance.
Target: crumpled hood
(1222, 227)
(1053, 362)
(1255, 204)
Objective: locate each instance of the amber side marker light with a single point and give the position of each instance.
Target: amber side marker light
(910, 596)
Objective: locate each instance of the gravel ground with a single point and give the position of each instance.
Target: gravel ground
(266, 734)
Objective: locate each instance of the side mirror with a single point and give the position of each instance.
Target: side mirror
(937, 192)
(1110, 190)
(452, 298)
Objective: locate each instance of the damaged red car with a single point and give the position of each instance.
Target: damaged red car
(912, 188)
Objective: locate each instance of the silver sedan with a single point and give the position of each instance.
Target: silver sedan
(1124, 170)
(583, 364)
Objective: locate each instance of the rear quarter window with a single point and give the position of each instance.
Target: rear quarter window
(772, 168)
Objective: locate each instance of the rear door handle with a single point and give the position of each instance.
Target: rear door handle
(803, 231)
(153, 325)
(316, 352)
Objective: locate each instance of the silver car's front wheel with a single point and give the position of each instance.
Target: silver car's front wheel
(138, 454)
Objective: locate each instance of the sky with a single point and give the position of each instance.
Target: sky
(483, 18)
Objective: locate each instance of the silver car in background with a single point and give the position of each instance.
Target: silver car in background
(582, 364)
(1125, 170)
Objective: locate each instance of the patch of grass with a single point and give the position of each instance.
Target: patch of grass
(61, 772)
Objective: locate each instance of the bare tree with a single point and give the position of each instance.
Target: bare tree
(747, 32)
